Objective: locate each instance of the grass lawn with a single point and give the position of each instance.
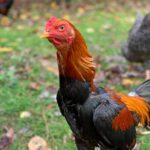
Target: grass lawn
(28, 82)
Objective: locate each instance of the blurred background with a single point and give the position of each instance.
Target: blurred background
(28, 70)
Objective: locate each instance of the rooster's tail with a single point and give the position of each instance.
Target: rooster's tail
(143, 90)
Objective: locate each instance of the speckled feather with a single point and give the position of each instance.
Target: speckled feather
(137, 48)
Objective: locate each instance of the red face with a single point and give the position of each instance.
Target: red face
(59, 32)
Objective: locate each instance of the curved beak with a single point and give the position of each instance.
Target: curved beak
(45, 35)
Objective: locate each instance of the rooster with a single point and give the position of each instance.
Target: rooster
(98, 117)
(137, 48)
(5, 6)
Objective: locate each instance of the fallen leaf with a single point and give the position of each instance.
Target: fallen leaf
(34, 86)
(5, 49)
(7, 139)
(49, 107)
(90, 30)
(106, 27)
(130, 81)
(5, 21)
(80, 11)
(130, 19)
(23, 16)
(35, 18)
(53, 5)
(25, 114)
(127, 82)
(53, 70)
(66, 16)
(57, 113)
(38, 143)
(3, 40)
(117, 18)
(20, 27)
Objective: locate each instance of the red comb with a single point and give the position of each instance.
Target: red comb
(49, 23)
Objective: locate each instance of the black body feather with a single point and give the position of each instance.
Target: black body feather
(90, 116)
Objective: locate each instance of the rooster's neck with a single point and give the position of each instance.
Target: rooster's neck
(76, 61)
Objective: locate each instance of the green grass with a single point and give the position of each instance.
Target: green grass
(21, 67)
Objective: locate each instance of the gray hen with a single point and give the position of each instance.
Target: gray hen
(137, 48)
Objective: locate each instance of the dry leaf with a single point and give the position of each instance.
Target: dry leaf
(20, 27)
(53, 70)
(25, 114)
(23, 16)
(57, 113)
(7, 139)
(117, 18)
(130, 19)
(106, 27)
(38, 143)
(5, 21)
(90, 30)
(66, 16)
(129, 81)
(54, 5)
(5, 49)
(35, 18)
(80, 11)
(3, 40)
(34, 86)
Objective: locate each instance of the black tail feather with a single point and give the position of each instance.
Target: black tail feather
(143, 90)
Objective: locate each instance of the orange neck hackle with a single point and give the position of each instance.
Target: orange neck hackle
(76, 61)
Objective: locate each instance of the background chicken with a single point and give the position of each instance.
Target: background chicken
(137, 48)
(5, 6)
(97, 116)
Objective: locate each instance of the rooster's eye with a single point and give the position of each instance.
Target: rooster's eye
(61, 28)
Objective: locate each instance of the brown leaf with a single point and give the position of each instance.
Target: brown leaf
(53, 70)
(130, 81)
(54, 5)
(24, 16)
(127, 82)
(5, 49)
(3, 40)
(37, 143)
(7, 139)
(20, 27)
(5, 21)
(80, 11)
(49, 107)
(34, 86)
(66, 16)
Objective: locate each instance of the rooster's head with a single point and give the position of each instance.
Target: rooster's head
(59, 32)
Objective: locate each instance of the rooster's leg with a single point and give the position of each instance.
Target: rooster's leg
(84, 145)
(147, 74)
